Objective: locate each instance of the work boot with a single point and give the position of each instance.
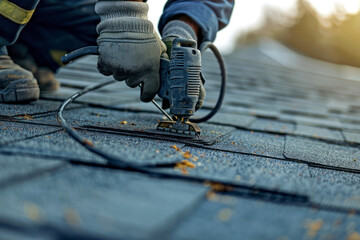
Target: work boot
(45, 76)
(17, 85)
(46, 80)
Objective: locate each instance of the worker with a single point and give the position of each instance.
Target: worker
(37, 34)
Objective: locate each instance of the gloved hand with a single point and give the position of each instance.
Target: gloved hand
(129, 48)
(180, 29)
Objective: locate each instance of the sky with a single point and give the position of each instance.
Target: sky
(248, 15)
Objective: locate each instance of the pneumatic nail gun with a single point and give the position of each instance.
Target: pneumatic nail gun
(180, 86)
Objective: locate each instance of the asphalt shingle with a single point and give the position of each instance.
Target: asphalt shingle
(117, 203)
(14, 234)
(317, 132)
(267, 125)
(232, 119)
(13, 132)
(322, 153)
(353, 137)
(60, 145)
(15, 168)
(264, 144)
(311, 121)
(40, 106)
(249, 170)
(341, 186)
(227, 217)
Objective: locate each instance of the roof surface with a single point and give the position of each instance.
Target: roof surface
(288, 135)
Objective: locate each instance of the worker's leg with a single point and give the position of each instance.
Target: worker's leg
(16, 84)
(58, 27)
(14, 15)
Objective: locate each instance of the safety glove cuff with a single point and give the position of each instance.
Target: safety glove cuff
(120, 17)
(178, 29)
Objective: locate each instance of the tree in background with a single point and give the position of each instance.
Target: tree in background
(335, 39)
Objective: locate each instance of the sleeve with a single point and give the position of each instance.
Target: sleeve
(210, 15)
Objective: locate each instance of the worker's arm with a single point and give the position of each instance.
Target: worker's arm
(195, 20)
(208, 16)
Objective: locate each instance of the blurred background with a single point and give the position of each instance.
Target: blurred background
(324, 29)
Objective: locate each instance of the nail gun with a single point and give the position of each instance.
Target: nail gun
(180, 86)
(180, 83)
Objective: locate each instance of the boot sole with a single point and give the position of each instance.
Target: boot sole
(20, 91)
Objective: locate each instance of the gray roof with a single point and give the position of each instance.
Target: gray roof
(287, 136)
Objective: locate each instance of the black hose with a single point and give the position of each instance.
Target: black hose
(204, 46)
(91, 50)
(88, 144)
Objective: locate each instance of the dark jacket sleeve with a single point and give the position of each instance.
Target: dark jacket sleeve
(210, 15)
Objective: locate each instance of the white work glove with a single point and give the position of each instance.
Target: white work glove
(129, 48)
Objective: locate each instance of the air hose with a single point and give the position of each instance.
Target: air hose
(221, 61)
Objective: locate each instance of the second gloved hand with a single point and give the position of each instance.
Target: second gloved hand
(129, 48)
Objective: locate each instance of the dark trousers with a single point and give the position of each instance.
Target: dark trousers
(57, 27)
